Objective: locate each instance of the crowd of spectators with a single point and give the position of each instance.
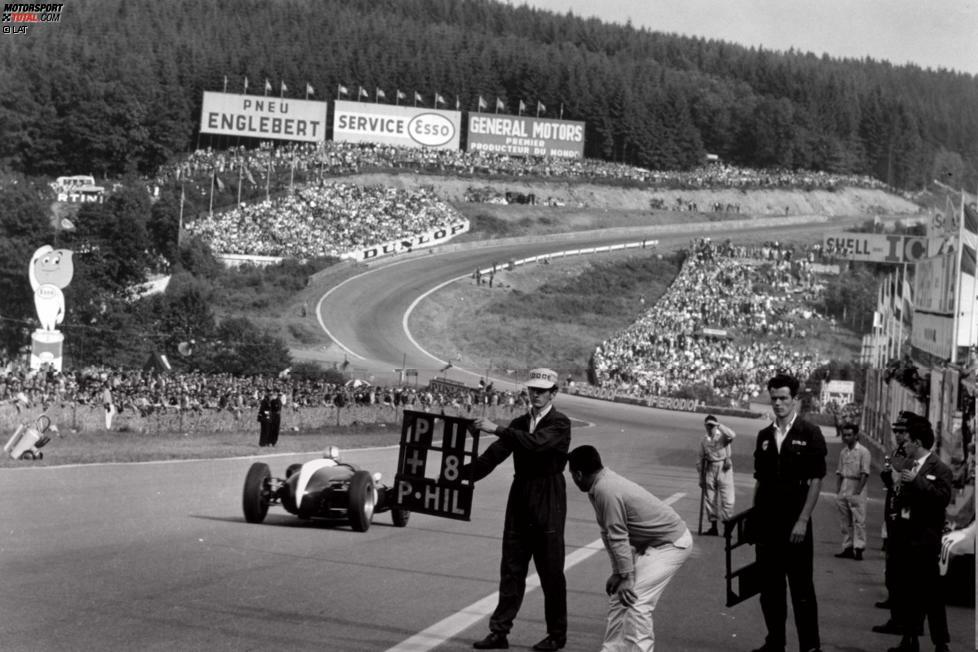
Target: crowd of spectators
(326, 219)
(336, 158)
(727, 322)
(145, 393)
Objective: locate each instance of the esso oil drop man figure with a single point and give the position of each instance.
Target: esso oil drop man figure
(789, 464)
(536, 510)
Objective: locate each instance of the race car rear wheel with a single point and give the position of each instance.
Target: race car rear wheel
(255, 495)
(400, 517)
(363, 498)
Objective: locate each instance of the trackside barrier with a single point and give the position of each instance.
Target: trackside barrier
(660, 402)
(569, 252)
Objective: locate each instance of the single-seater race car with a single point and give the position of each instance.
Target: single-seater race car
(323, 488)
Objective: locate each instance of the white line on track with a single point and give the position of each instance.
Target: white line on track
(461, 620)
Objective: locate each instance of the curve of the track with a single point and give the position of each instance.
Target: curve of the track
(159, 557)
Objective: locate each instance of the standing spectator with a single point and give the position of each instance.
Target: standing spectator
(922, 498)
(535, 511)
(789, 464)
(265, 417)
(108, 404)
(852, 473)
(275, 418)
(716, 472)
(892, 466)
(647, 541)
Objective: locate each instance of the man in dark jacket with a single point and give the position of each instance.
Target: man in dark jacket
(535, 512)
(789, 464)
(922, 497)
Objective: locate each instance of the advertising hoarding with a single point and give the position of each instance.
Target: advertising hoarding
(525, 136)
(257, 116)
(877, 247)
(406, 126)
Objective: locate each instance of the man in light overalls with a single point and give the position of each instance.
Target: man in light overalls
(716, 472)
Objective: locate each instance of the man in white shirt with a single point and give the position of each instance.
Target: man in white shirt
(852, 474)
(716, 472)
(646, 540)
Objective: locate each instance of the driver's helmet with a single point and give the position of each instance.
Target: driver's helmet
(332, 453)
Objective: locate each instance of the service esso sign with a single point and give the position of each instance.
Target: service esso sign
(403, 126)
(431, 129)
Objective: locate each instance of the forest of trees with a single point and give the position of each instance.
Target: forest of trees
(116, 86)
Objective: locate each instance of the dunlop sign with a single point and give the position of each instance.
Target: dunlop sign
(876, 248)
(429, 466)
(256, 116)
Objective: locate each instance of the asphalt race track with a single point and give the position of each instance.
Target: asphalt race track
(159, 557)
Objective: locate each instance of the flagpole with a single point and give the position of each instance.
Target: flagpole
(903, 304)
(957, 284)
(561, 110)
(213, 176)
(180, 223)
(239, 175)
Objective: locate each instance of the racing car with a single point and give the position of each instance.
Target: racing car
(323, 488)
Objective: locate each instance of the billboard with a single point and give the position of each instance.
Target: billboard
(406, 126)
(256, 116)
(878, 247)
(525, 136)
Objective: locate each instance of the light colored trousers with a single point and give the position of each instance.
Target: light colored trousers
(630, 628)
(719, 483)
(852, 517)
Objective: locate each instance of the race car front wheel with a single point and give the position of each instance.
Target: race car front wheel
(400, 517)
(363, 498)
(255, 495)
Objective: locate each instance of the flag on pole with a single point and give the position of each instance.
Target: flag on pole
(522, 107)
(499, 105)
(268, 87)
(364, 93)
(380, 95)
(309, 90)
(540, 108)
(417, 98)
(342, 90)
(282, 89)
(969, 237)
(561, 110)
(400, 96)
(458, 104)
(248, 175)
(220, 184)
(225, 84)
(482, 104)
(439, 99)
(245, 86)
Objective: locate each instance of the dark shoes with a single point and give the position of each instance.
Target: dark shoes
(845, 554)
(908, 644)
(549, 644)
(889, 627)
(712, 532)
(494, 641)
(943, 647)
(857, 554)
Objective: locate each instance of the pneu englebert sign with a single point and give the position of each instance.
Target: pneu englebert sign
(407, 126)
(525, 136)
(257, 116)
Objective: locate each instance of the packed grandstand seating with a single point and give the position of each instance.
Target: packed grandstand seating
(326, 219)
(726, 322)
(337, 158)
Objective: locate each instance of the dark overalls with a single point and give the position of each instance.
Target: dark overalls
(535, 515)
(782, 487)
